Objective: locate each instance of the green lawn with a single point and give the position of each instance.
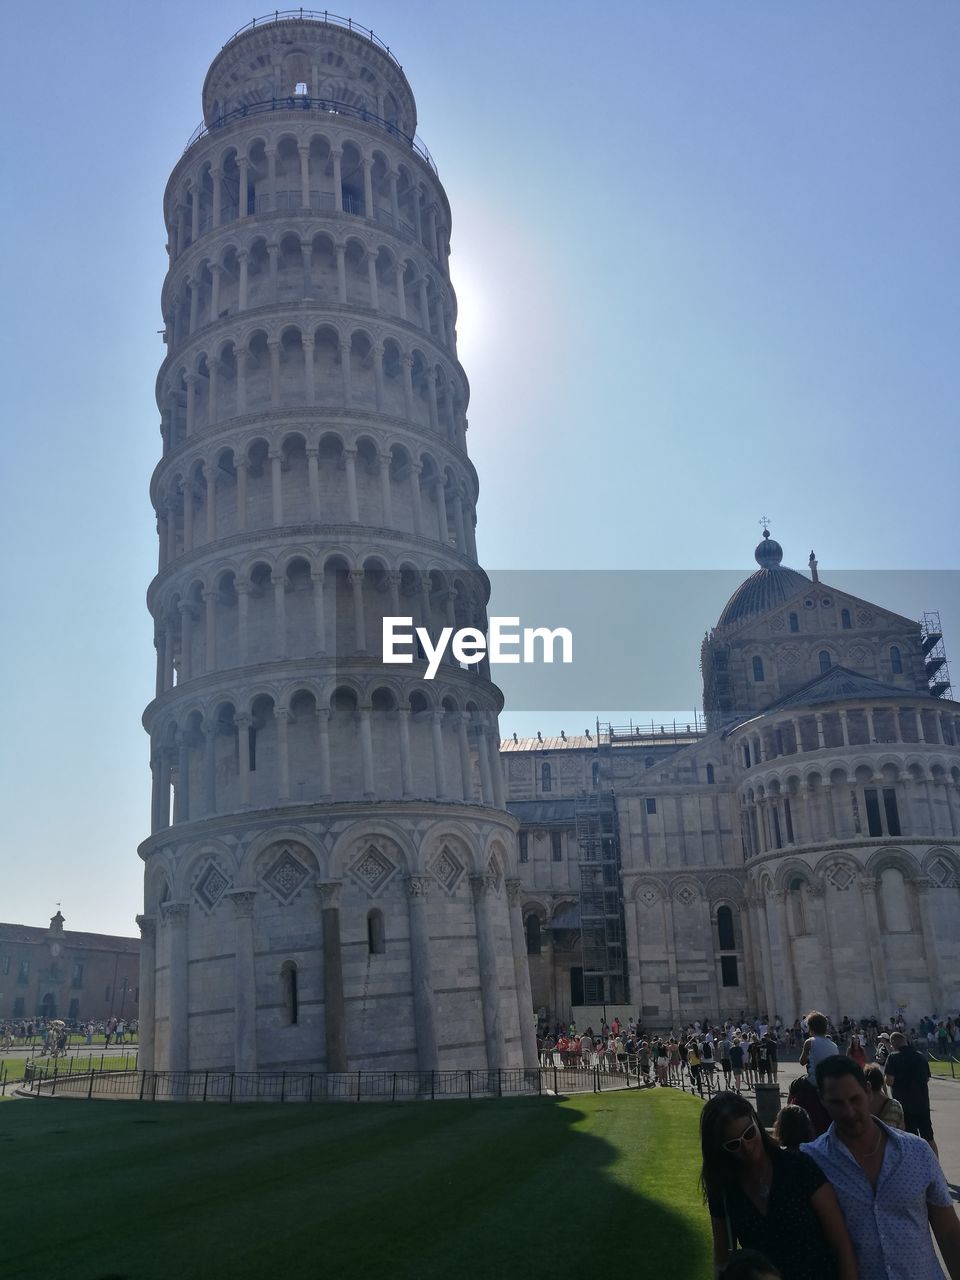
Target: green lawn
(505, 1188)
(939, 1068)
(12, 1068)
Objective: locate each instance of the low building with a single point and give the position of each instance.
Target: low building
(56, 973)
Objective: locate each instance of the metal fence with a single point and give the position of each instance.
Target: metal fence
(322, 1086)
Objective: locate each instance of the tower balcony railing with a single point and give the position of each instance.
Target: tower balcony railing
(316, 15)
(291, 201)
(327, 106)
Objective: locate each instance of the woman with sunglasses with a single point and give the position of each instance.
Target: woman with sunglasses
(763, 1197)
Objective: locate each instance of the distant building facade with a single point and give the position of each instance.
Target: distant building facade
(802, 850)
(59, 973)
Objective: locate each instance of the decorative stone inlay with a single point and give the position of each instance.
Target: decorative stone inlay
(648, 896)
(776, 622)
(685, 894)
(210, 886)
(418, 886)
(447, 869)
(285, 876)
(857, 656)
(943, 874)
(494, 869)
(788, 657)
(840, 877)
(372, 869)
(864, 617)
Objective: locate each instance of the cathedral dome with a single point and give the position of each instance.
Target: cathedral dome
(764, 590)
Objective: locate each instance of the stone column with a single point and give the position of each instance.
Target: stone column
(401, 295)
(766, 950)
(242, 495)
(385, 502)
(359, 622)
(174, 916)
(496, 767)
(486, 778)
(243, 606)
(521, 970)
(304, 175)
(323, 731)
(750, 957)
(243, 190)
(244, 724)
(147, 1006)
(931, 954)
(415, 471)
(406, 768)
(210, 599)
(282, 717)
(818, 896)
(421, 974)
(245, 982)
(334, 1009)
(210, 766)
(368, 206)
(279, 614)
(243, 258)
(210, 472)
(313, 479)
(317, 577)
(181, 798)
(342, 273)
(273, 253)
(632, 926)
(276, 483)
(406, 363)
(241, 387)
(336, 156)
(372, 281)
(878, 964)
(353, 501)
(366, 754)
(484, 898)
(309, 373)
(466, 766)
(439, 766)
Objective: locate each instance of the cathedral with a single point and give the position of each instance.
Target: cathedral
(802, 850)
(346, 867)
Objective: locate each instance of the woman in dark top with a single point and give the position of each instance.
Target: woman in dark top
(762, 1197)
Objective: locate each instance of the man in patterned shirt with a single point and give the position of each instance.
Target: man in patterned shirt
(890, 1186)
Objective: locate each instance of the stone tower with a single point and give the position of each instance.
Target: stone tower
(329, 882)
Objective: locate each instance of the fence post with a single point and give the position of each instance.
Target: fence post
(143, 1081)
(310, 1089)
(206, 1081)
(433, 1086)
(469, 1085)
(539, 1077)
(283, 1086)
(90, 1085)
(359, 1082)
(500, 1082)
(393, 1095)
(101, 1062)
(599, 1085)
(233, 1076)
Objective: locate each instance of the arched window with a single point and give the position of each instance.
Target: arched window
(796, 912)
(725, 931)
(757, 668)
(845, 619)
(896, 662)
(794, 622)
(710, 774)
(376, 942)
(895, 901)
(546, 777)
(532, 925)
(288, 979)
(824, 661)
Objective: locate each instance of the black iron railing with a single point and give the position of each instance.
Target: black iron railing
(327, 106)
(316, 15)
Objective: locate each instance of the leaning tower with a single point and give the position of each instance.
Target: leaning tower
(329, 880)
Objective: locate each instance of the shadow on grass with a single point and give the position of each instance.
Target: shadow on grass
(463, 1189)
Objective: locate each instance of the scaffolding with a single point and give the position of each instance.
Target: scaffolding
(934, 655)
(603, 952)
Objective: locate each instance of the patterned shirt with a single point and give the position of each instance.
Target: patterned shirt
(889, 1227)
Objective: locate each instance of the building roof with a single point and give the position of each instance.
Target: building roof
(579, 742)
(839, 684)
(102, 941)
(771, 586)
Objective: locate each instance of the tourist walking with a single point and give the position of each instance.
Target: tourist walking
(882, 1105)
(907, 1072)
(890, 1186)
(763, 1197)
(818, 1046)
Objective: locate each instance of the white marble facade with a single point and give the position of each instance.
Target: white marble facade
(330, 880)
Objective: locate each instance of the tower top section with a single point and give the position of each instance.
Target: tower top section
(298, 53)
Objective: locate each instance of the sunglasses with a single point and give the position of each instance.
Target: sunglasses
(749, 1134)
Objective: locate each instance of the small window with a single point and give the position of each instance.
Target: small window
(74, 1011)
(711, 779)
(891, 812)
(896, 662)
(824, 661)
(788, 817)
(556, 846)
(77, 979)
(532, 926)
(845, 619)
(301, 89)
(4, 965)
(23, 973)
(524, 847)
(252, 740)
(725, 931)
(758, 669)
(728, 971)
(746, 755)
(376, 942)
(794, 622)
(872, 802)
(546, 777)
(651, 806)
(288, 978)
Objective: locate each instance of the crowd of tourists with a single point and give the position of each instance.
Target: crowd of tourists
(846, 1186)
(55, 1033)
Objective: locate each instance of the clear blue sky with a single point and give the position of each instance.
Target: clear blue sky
(708, 269)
